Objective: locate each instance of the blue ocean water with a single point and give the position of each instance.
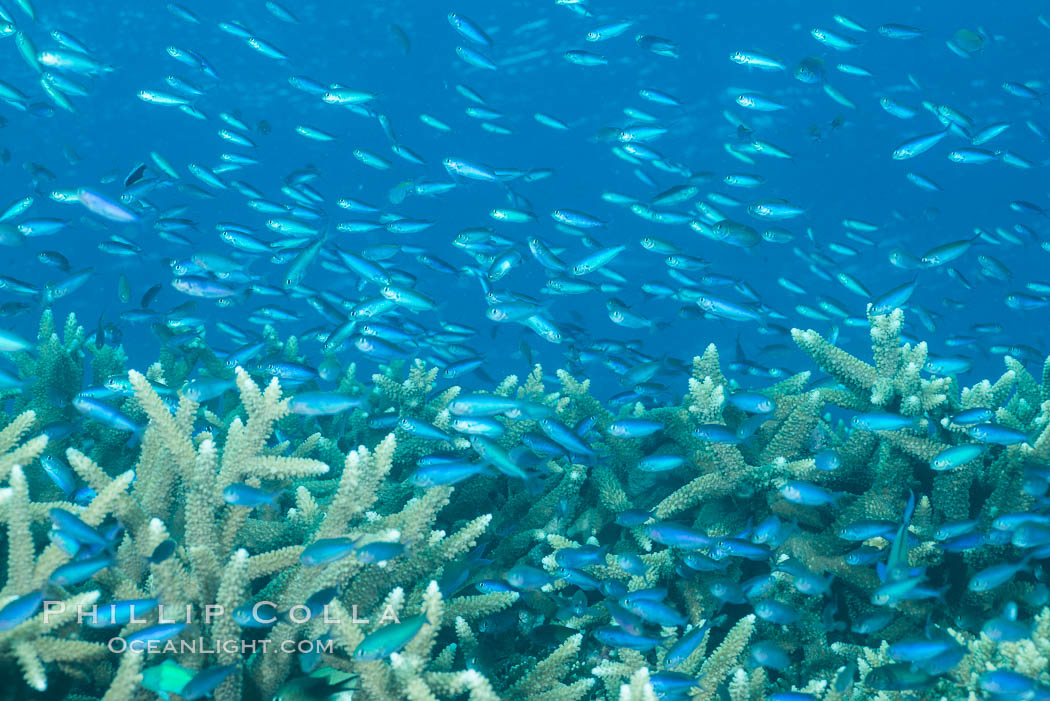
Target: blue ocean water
(137, 140)
(841, 167)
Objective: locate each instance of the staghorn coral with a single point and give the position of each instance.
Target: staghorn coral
(345, 477)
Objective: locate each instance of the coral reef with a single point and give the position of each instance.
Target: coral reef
(841, 546)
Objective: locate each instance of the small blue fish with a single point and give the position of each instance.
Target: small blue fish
(60, 473)
(81, 532)
(773, 611)
(634, 428)
(240, 494)
(541, 445)
(882, 422)
(865, 529)
(205, 681)
(478, 426)
(660, 463)
(324, 403)
(1031, 535)
(422, 429)
(79, 571)
(444, 473)
(687, 644)
(527, 578)
(738, 547)
(950, 529)
(105, 414)
(747, 428)
(791, 696)
(83, 496)
(204, 389)
(1006, 628)
(827, 461)
(315, 603)
(326, 550)
(677, 535)
(969, 417)
(873, 621)
(383, 642)
(490, 586)
(991, 577)
(19, 610)
(918, 649)
(1006, 682)
(632, 517)
(564, 436)
(770, 531)
(582, 556)
(618, 637)
(648, 594)
(752, 402)
(631, 563)
(962, 542)
(759, 586)
(483, 405)
(492, 452)
(864, 555)
(725, 589)
(1011, 521)
(703, 563)
(766, 653)
(716, 433)
(669, 684)
(994, 433)
(956, 456)
(379, 552)
(579, 578)
(162, 552)
(808, 494)
(654, 612)
(805, 581)
(142, 638)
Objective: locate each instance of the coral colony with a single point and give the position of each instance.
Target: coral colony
(803, 542)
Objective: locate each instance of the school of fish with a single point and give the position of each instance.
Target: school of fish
(573, 184)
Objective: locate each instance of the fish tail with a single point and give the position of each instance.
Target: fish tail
(136, 437)
(909, 509)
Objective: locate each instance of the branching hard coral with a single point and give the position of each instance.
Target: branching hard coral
(725, 659)
(29, 640)
(14, 453)
(584, 576)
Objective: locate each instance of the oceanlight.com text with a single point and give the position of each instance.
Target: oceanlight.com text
(199, 646)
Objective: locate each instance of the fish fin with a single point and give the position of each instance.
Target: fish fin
(909, 509)
(136, 437)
